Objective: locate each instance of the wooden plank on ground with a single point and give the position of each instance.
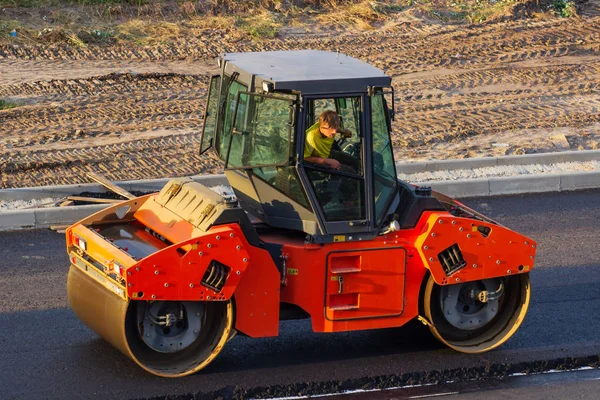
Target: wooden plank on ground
(59, 228)
(109, 185)
(66, 203)
(92, 199)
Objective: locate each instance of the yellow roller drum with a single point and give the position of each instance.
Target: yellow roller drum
(169, 339)
(468, 325)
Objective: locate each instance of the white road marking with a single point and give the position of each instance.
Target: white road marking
(432, 395)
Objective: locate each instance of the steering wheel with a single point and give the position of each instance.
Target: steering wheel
(340, 142)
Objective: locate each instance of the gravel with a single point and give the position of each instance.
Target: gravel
(5, 205)
(500, 171)
(25, 204)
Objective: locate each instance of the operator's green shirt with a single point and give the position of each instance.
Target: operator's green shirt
(316, 144)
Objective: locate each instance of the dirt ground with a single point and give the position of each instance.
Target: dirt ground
(517, 86)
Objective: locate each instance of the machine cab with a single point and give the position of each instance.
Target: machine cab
(262, 119)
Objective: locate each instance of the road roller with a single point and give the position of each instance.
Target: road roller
(168, 278)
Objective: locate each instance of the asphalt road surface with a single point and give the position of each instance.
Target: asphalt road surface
(47, 353)
(553, 385)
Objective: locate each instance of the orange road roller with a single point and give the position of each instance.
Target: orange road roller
(319, 228)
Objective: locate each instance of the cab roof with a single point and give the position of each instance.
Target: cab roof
(308, 71)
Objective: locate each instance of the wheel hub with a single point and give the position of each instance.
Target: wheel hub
(463, 311)
(168, 327)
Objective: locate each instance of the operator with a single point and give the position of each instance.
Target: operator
(320, 138)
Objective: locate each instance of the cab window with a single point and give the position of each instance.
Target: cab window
(261, 134)
(342, 198)
(262, 140)
(229, 94)
(210, 114)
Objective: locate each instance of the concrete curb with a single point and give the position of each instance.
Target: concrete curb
(46, 217)
(471, 163)
(144, 185)
(517, 184)
(405, 168)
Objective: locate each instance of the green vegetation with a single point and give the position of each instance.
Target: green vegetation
(564, 8)
(263, 30)
(6, 27)
(147, 22)
(473, 11)
(483, 10)
(259, 27)
(54, 3)
(5, 104)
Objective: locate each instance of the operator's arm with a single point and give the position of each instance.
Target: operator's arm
(333, 163)
(308, 156)
(345, 133)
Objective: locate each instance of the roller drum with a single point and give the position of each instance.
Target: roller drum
(137, 328)
(102, 311)
(472, 326)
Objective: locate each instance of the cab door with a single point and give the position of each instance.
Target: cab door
(339, 197)
(365, 283)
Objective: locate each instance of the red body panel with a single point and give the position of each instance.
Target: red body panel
(343, 286)
(175, 274)
(499, 252)
(382, 278)
(257, 296)
(381, 289)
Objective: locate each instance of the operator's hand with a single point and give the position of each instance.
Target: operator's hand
(333, 163)
(346, 134)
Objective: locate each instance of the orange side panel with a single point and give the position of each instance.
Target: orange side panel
(257, 296)
(254, 281)
(165, 222)
(381, 288)
(364, 284)
(488, 250)
(176, 272)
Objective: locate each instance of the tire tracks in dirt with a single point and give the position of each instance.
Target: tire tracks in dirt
(140, 159)
(133, 118)
(111, 83)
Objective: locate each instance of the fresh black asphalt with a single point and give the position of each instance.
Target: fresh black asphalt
(47, 353)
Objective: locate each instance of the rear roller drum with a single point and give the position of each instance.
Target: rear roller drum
(475, 317)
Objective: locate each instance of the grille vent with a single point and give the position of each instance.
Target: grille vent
(215, 276)
(452, 259)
